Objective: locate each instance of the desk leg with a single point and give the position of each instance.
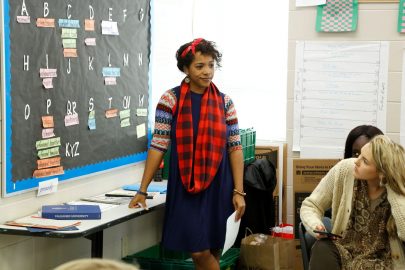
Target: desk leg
(96, 244)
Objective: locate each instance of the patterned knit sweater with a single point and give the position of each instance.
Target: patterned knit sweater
(336, 190)
(163, 122)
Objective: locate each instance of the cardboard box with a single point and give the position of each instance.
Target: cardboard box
(307, 173)
(277, 154)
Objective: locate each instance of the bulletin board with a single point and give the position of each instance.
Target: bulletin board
(75, 88)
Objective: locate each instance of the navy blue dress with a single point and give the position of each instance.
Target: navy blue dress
(196, 222)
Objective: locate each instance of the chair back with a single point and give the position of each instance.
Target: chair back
(307, 240)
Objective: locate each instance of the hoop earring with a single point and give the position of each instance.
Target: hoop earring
(382, 181)
(187, 79)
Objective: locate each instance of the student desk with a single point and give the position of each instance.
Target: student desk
(93, 229)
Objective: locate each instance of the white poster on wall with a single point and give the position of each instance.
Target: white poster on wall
(402, 117)
(338, 86)
(307, 3)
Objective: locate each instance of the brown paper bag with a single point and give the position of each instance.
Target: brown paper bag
(259, 255)
(287, 253)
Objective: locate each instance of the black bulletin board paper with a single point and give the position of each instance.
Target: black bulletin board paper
(78, 88)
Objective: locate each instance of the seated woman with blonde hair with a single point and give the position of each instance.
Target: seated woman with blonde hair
(95, 264)
(367, 197)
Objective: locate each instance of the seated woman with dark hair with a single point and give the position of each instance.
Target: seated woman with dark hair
(358, 137)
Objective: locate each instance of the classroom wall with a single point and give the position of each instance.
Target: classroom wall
(376, 22)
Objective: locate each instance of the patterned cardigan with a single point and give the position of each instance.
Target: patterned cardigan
(336, 190)
(165, 113)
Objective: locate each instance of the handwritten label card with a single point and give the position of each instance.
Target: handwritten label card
(47, 187)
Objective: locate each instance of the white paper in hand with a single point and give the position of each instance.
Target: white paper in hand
(232, 229)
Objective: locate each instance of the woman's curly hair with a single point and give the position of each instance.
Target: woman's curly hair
(205, 47)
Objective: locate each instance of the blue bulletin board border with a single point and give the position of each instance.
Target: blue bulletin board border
(10, 188)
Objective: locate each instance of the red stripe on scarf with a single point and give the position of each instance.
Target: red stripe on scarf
(211, 138)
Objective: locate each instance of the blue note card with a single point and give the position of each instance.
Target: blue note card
(161, 188)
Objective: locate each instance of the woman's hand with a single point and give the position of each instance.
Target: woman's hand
(320, 228)
(239, 205)
(138, 201)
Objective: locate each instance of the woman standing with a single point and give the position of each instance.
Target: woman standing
(205, 182)
(367, 195)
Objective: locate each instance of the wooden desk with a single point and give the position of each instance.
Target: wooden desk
(93, 229)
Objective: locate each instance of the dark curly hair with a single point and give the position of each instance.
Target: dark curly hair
(364, 130)
(205, 47)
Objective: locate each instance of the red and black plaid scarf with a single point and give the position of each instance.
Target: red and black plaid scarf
(211, 138)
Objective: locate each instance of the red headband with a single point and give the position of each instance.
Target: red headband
(191, 47)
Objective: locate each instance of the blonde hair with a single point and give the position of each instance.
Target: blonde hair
(389, 158)
(95, 264)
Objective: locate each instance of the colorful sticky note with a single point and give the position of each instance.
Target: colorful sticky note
(111, 72)
(68, 23)
(125, 122)
(91, 123)
(109, 28)
(69, 52)
(48, 172)
(88, 25)
(46, 143)
(71, 119)
(47, 133)
(47, 121)
(48, 162)
(47, 83)
(111, 113)
(110, 80)
(46, 22)
(90, 41)
(140, 130)
(69, 33)
(23, 19)
(69, 43)
(125, 113)
(47, 153)
(141, 112)
(47, 73)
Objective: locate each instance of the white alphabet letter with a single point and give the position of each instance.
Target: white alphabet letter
(24, 11)
(46, 9)
(140, 101)
(125, 14)
(110, 99)
(126, 102)
(27, 111)
(68, 15)
(91, 12)
(140, 59)
(91, 103)
(69, 68)
(110, 14)
(126, 58)
(91, 62)
(48, 105)
(26, 62)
